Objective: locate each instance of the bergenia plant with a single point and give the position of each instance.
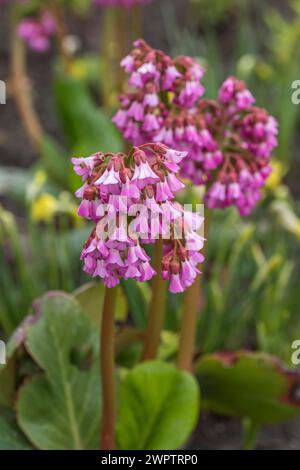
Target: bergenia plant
(163, 91)
(245, 137)
(130, 197)
(137, 191)
(161, 107)
(228, 141)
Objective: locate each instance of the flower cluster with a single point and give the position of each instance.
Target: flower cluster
(245, 136)
(138, 189)
(164, 89)
(123, 3)
(229, 141)
(180, 260)
(37, 32)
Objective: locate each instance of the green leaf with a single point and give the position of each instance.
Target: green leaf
(7, 383)
(55, 159)
(87, 128)
(246, 384)
(10, 436)
(159, 407)
(128, 346)
(91, 297)
(169, 345)
(61, 408)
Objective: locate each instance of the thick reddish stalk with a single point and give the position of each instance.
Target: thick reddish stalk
(107, 364)
(191, 308)
(21, 90)
(157, 307)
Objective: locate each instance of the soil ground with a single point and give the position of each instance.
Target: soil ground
(219, 433)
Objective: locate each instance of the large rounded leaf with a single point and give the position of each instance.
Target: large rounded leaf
(60, 409)
(10, 436)
(7, 383)
(159, 407)
(247, 384)
(91, 297)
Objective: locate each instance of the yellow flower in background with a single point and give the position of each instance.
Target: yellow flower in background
(275, 178)
(78, 70)
(44, 208)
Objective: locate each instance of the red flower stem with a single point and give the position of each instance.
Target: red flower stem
(191, 308)
(107, 364)
(191, 305)
(157, 307)
(21, 89)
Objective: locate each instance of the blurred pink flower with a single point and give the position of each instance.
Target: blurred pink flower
(36, 32)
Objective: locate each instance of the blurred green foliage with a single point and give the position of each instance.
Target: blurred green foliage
(251, 283)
